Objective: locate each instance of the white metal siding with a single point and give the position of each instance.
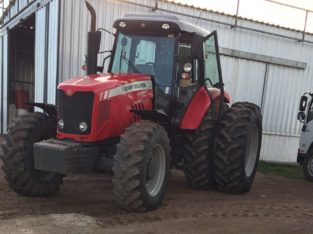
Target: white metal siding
(40, 53)
(13, 10)
(243, 79)
(52, 51)
(282, 99)
(22, 4)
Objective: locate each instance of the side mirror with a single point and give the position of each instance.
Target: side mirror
(301, 116)
(303, 103)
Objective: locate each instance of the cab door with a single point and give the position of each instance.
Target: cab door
(212, 72)
(205, 90)
(212, 66)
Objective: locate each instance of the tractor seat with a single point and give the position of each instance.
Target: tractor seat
(146, 69)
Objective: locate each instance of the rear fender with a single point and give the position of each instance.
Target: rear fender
(199, 105)
(196, 110)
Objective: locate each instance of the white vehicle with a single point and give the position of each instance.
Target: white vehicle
(305, 151)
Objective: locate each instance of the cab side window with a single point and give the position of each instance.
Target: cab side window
(211, 75)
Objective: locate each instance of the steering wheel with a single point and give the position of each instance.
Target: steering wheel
(150, 63)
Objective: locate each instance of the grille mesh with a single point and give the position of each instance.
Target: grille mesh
(75, 109)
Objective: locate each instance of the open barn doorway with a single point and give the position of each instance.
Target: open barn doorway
(21, 67)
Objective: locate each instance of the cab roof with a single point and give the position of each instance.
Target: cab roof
(157, 23)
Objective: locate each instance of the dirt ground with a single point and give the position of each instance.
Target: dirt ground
(84, 205)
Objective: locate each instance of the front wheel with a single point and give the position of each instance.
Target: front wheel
(141, 167)
(18, 156)
(308, 166)
(238, 145)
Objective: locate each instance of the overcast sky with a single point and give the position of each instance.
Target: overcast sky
(263, 10)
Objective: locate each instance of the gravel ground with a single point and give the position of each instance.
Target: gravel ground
(85, 205)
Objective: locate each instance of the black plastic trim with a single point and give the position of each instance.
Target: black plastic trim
(48, 108)
(153, 115)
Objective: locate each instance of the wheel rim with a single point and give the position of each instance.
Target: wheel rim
(251, 151)
(155, 171)
(310, 166)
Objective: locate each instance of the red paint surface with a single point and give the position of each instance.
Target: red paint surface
(196, 110)
(199, 105)
(119, 106)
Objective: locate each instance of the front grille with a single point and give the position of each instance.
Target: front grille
(75, 109)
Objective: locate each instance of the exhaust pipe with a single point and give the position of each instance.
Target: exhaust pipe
(94, 40)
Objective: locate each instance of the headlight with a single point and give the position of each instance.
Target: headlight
(165, 26)
(122, 24)
(83, 126)
(187, 67)
(61, 124)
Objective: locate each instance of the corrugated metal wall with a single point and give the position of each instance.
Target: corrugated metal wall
(53, 36)
(276, 88)
(46, 52)
(40, 54)
(242, 83)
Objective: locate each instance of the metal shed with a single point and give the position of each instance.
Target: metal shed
(262, 63)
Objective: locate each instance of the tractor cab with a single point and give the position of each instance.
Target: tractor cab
(179, 57)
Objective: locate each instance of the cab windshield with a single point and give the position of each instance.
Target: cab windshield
(146, 54)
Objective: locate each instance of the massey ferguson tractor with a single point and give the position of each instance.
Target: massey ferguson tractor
(161, 105)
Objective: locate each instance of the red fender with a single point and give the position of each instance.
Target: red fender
(196, 110)
(198, 106)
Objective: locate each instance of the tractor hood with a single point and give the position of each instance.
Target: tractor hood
(102, 82)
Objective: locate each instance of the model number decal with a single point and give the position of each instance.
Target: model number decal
(127, 88)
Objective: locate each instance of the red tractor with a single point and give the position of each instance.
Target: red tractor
(161, 105)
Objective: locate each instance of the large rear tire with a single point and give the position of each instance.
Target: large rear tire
(141, 167)
(238, 145)
(18, 158)
(197, 152)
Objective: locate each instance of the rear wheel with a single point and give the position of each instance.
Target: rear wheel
(308, 166)
(197, 152)
(18, 158)
(238, 145)
(141, 167)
